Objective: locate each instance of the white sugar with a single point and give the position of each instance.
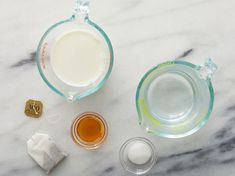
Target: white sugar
(139, 153)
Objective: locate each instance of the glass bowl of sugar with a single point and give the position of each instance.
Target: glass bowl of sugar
(137, 155)
(75, 56)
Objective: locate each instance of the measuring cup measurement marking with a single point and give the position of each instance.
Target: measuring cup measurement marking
(43, 54)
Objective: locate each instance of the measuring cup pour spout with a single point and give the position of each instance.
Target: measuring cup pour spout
(70, 98)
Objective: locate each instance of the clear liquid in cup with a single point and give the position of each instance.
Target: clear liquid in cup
(170, 97)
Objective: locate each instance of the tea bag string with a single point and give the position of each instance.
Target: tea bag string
(35, 111)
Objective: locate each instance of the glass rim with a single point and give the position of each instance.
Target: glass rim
(196, 128)
(92, 89)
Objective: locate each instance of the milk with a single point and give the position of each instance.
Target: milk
(79, 58)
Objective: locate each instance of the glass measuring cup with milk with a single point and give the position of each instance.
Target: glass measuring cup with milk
(75, 56)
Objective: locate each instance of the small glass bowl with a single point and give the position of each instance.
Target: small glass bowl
(137, 169)
(82, 143)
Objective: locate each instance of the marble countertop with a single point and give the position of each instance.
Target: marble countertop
(144, 33)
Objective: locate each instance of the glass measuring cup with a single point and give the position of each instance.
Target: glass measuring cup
(175, 98)
(79, 21)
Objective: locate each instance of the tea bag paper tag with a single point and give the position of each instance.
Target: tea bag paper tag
(44, 151)
(33, 108)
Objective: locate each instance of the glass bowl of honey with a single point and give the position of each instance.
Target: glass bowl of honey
(89, 130)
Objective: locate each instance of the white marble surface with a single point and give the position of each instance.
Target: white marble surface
(144, 33)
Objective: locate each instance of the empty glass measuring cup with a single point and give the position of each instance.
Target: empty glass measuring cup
(175, 98)
(75, 56)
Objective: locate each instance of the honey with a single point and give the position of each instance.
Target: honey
(89, 130)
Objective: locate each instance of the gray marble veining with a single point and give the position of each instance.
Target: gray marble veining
(31, 60)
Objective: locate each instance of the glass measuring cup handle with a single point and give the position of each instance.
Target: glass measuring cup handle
(81, 8)
(207, 69)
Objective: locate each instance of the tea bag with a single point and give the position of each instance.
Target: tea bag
(44, 151)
